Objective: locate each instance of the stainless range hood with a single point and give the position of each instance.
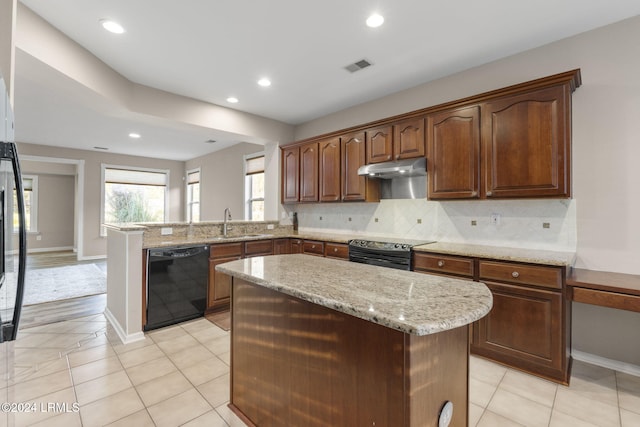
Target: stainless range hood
(395, 169)
(401, 179)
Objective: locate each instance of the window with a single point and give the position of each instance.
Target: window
(30, 191)
(134, 195)
(254, 187)
(193, 195)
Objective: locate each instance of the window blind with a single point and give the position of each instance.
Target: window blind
(126, 176)
(254, 165)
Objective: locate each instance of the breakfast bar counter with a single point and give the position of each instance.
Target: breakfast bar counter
(317, 341)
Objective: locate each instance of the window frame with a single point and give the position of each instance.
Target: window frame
(33, 217)
(105, 166)
(189, 203)
(247, 185)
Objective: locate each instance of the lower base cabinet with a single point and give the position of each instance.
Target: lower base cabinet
(529, 326)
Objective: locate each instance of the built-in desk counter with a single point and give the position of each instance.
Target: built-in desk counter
(316, 341)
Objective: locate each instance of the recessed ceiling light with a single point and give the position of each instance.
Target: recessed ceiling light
(232, 99)
(375, 20)
(264, 82)
(134, 135)
(112, 26)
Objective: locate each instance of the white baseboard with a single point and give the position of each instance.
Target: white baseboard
(88, 258)
(616, 365)
(55, 249)
(124, 337)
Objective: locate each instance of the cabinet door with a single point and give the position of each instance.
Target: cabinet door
(408, 139)
(258, 248)
(296, 246)
(527, 144)
(330, 170)
(453, 154)
(523, 329)
(354, 186)
(309, 172)
(281, 246)
(290, 175)
(219, 292)
(379, 144)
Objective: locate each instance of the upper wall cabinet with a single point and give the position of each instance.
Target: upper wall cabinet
(329, 171)
(408, 139)
(379, 144)
(527, 144)
(290, 176)
(354, 186)
(513, 142)
(453, 157)
(309, 172)
(400, 140)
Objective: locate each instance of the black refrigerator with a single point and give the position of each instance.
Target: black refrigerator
(13, 235)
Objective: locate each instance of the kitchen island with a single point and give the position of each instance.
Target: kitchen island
(319, 342)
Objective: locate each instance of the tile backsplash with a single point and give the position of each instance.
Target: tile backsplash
(534, 224)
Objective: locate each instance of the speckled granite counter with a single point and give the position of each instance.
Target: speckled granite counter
(414, 303)
(533, 256)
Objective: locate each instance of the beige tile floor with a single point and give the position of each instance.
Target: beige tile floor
(180, 376)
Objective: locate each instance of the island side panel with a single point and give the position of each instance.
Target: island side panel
(298, 363)
(437, 372)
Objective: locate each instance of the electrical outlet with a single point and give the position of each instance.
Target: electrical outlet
(270, 227)
(474, 222)
(38, 237)
(546, 225)
(166, 231)
(496, 219)
(419, 220)
(376, 219)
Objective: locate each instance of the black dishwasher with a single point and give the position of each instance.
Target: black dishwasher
(177, 280)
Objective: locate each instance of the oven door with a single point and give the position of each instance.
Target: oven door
(400, 260)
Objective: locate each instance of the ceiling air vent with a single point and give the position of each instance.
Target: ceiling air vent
(210, 141)
(357, 66)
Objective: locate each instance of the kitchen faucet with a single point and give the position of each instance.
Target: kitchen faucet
(225, 227)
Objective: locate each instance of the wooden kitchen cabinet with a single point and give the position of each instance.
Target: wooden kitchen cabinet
(254, 248)
(408, 139)
(296, 246)
(354, 186)
(336, 250)
(453, 154)
(313, 247)
(527, 144)
(219, 291)
(281, 246)
(379, 142)
(329, 170)
(309, 172)
(529, 324)
(290, 176)
(444, 264)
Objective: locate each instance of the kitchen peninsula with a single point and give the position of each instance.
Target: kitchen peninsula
(317, 341)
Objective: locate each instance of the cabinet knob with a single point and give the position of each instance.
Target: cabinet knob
(335, 249)
(515, 274)
(313, 246)
(489, 193)
(441, 263)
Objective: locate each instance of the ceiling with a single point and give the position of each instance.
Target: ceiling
(211, 50)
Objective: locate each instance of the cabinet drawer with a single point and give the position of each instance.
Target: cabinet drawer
(546, 277)
(607, 299)
(226, 250)
(443, 264)
(258, 248)
(313, 247)
(336, 250)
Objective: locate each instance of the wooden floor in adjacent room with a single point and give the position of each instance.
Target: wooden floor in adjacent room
(61, 310)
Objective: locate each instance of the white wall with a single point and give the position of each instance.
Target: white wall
(95, 245)
(605, 154)
(222, 181)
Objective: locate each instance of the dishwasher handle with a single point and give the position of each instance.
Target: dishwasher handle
(178, 252)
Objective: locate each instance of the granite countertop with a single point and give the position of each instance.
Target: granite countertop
(533, 256)
(414, 303)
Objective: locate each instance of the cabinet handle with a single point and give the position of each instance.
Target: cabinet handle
(441, 263)
(515, 274)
